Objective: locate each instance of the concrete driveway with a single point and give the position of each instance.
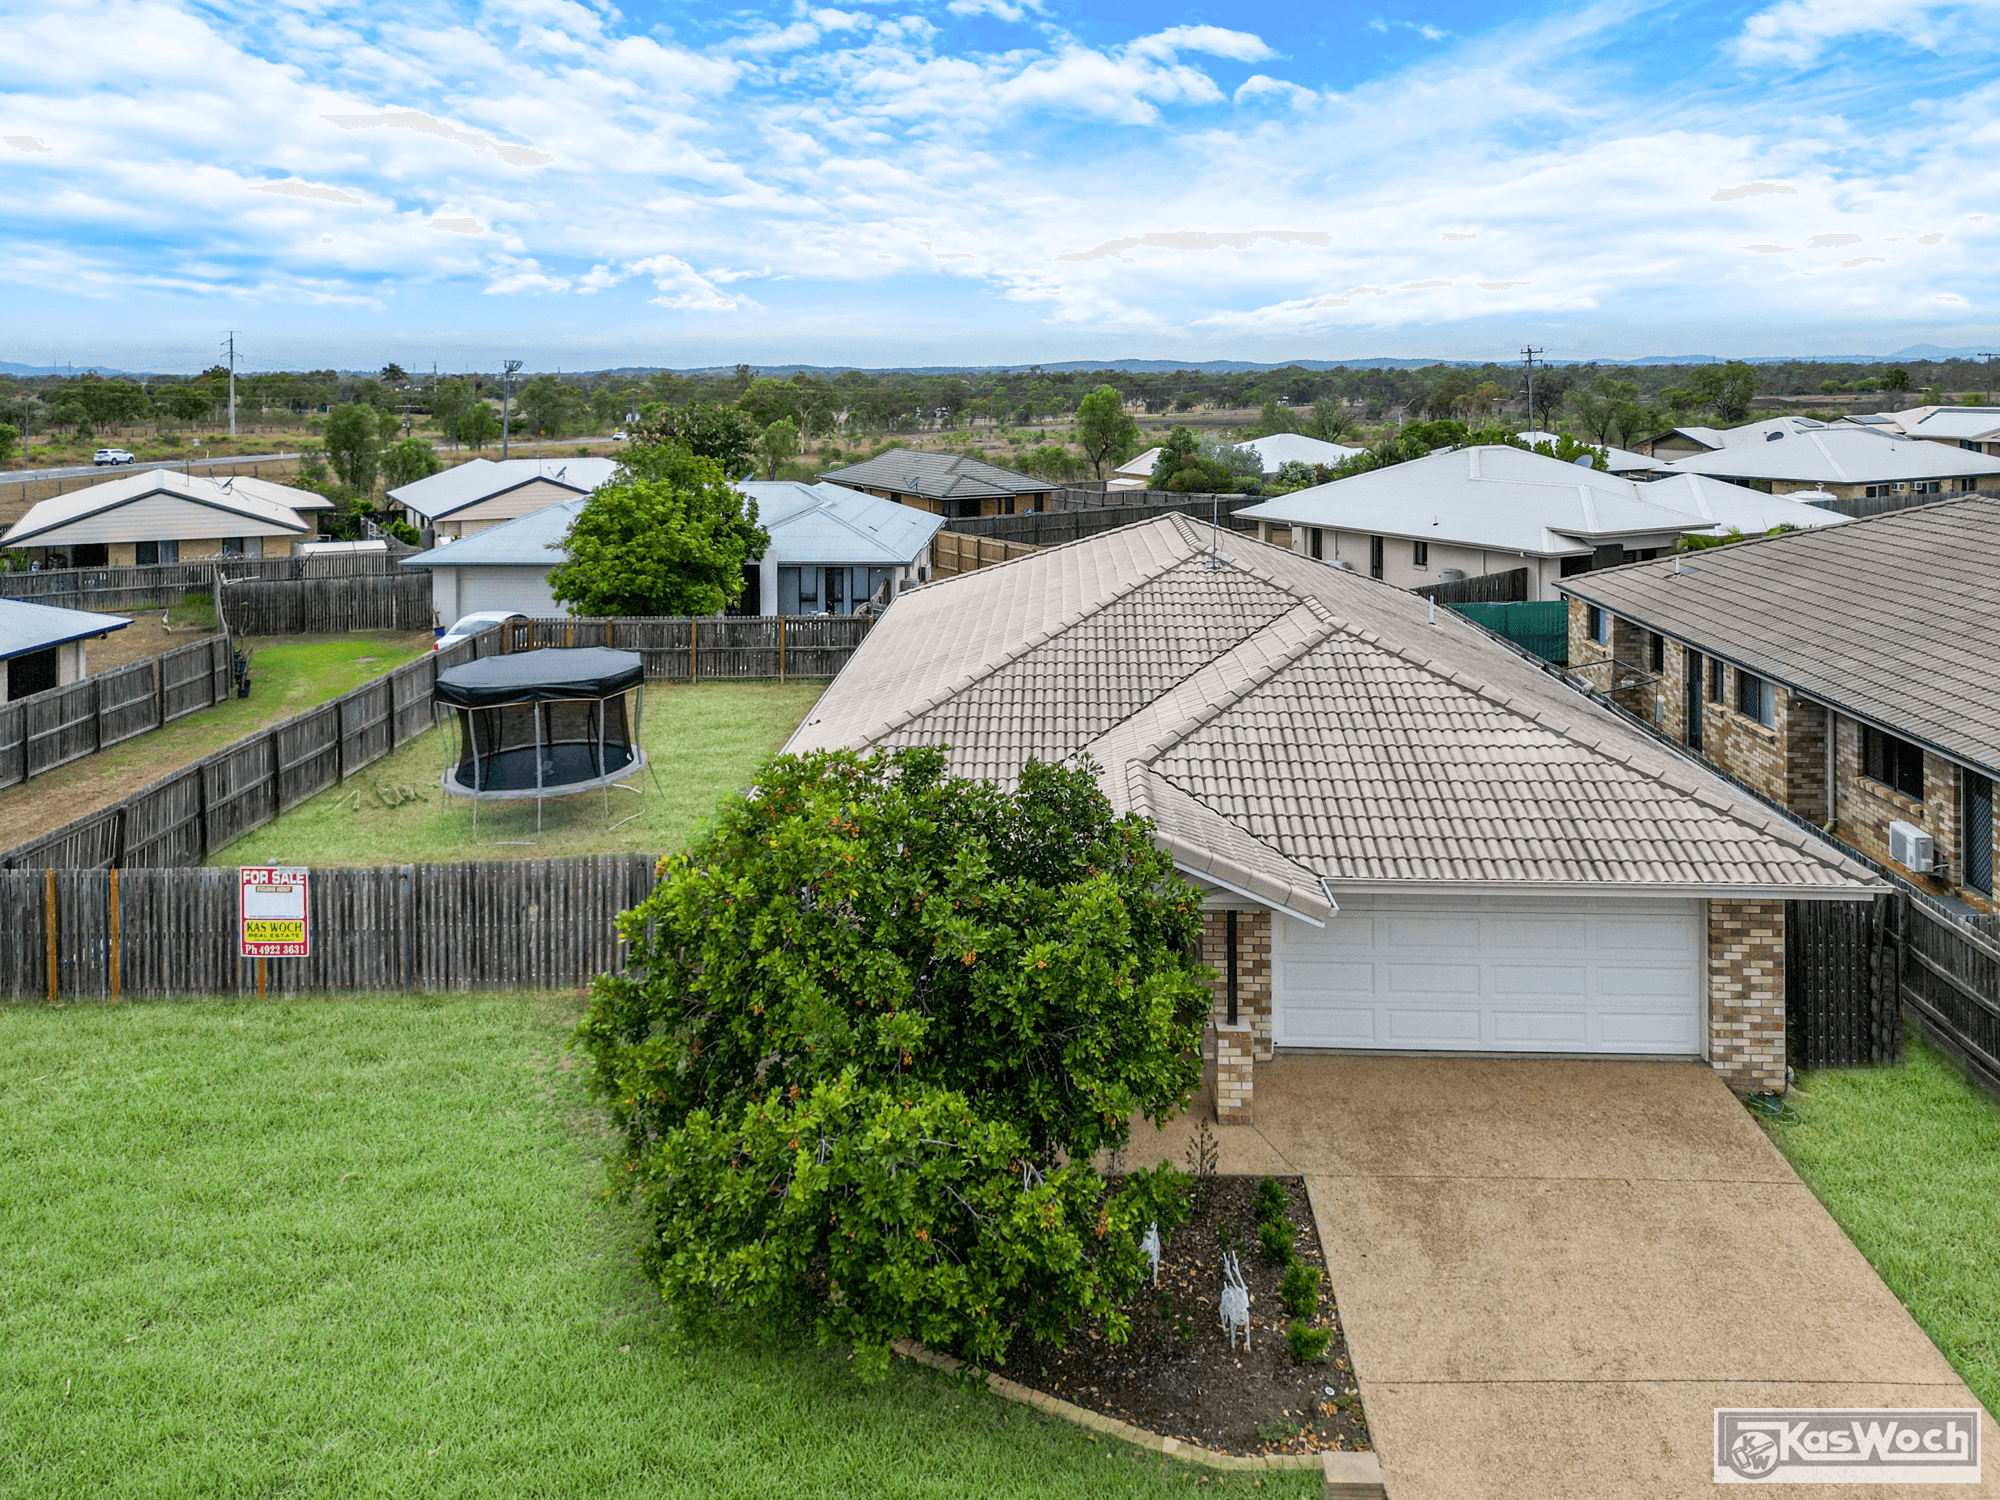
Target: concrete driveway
(1550, 1273)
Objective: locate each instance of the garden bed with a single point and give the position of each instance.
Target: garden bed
(1177, 1374)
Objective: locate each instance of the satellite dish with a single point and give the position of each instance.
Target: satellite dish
(1584, 461)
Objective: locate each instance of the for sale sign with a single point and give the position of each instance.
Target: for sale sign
(272, 904)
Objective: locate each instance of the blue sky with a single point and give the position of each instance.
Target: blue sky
(985, 181)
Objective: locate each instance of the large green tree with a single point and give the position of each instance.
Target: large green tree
(1727, 390)
(721, 434)
(478, 425)
(406, 461)
(548, 406)
(353, 439)
(669, 536)
(778, 445)
(876, 1026)
(1103, 430)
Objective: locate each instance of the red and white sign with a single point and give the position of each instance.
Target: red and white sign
(272, 905)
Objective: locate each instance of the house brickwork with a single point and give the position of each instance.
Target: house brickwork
(1746, 994)
(1253, 972)
(1864, 809)
(1229, 1074)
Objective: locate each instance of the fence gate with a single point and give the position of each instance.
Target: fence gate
(1842, 990)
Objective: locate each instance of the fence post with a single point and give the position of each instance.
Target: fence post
(49, 926)
(694, 644)
(406, 924)
(114, 954)
(781, 646)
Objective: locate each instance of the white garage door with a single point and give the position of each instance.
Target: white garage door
(1493, 974)
(525, 589)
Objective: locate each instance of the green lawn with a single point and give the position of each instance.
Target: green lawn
(704, 740)
(1907, 1160)
(354, 1247)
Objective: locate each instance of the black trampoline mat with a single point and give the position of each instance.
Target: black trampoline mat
(562, 766)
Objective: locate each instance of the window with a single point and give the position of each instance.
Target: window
(1691, 697)
(1893, 762)
(1714, 680)
(1600, 625)
(1374, 557)
(1420, 554)
(151, 554)
(1659, 657)
(232, 546)
(1571, 566)
(1318, 540)
(1753, 697)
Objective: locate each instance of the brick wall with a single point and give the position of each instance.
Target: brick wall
(1865, 808)
(1746, 994)
(1253, 971)
(1229, 1074)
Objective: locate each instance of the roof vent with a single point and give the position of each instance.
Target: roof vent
(1772, 437)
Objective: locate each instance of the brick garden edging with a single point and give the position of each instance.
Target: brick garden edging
(1349, 1476)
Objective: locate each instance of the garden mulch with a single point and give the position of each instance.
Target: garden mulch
(1177, 1374)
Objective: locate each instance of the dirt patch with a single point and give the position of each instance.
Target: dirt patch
(1177, 1374)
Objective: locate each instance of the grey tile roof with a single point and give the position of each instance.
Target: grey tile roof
(1295, 729)
(938, 476)
(1895, 619)
(36, 627)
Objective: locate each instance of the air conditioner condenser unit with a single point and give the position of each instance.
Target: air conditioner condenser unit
(1911, 847)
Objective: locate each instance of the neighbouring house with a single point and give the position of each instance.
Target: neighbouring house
(1407, 835)
(1848, 673)
(1678, 442)
(1466, 512)
(1851, 461)
(945, 484)
(164, 516)
(42, 647)
(1135, 473)
(470, 497)
(1280, 448)
(1622, 460)
(831, 549)
(1974, 429)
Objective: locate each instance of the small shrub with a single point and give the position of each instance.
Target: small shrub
(1272, 1200)
(194, 609)
(1270, 1434)
(1300, 1290)
(1274, 1238)
(1308, 1344)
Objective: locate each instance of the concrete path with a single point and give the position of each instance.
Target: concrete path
(1550, 1273)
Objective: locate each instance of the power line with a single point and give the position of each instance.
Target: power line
(1531, 355)
(230, 345)
(509, 369)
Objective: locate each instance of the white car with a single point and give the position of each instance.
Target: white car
(111, 456)
(473, 623)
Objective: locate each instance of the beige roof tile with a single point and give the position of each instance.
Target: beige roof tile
(1295, 729)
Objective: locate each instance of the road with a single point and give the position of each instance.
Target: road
(31, 476)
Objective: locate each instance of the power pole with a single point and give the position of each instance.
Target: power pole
(232, 382)
(1531, 355)
(509, 369)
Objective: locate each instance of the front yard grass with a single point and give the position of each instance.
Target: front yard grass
(355, 1247)
(704, 740)
(288, 675)
(1907, 1160)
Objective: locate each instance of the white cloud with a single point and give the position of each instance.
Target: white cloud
(1213, 40)
(26, 143)
(1800, 32)
(513, 275)
(1002, 10)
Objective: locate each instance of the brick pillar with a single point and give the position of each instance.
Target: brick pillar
(1746, 994)
(1253, 973)
(1229, 1072)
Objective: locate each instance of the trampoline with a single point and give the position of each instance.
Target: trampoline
(541, 724)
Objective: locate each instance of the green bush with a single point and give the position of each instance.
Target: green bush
(1301, 1290)
(194, 609)
(1272, 1200)
(1307, 1343)
(1275, 1237)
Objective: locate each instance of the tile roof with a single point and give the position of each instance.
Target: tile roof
(1894, 619)
(1296, 730)
(46, 518)
(1515, 501)
(936, 476)
(36, 627)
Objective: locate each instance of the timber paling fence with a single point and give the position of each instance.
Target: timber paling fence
(952, 554)
(1510, 587)
(384, 600)
(1052, 528)
(523, 924)
(50, 729)
(710, 648)
(161, 584)
(183, 818)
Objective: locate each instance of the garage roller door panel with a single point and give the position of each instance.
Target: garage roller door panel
(1494, 974)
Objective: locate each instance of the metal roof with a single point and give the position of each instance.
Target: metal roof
(45, 519)
(1622, 460)
(28, 627)
(1296, 730)
(1280, 448)
(823, 523)
(1957, 424)
(1818, 454)
(1510, 500)
(438, 495)
(278, 494)
(936, 476)
(530, 541)
(816, 524)
(1894, 619)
